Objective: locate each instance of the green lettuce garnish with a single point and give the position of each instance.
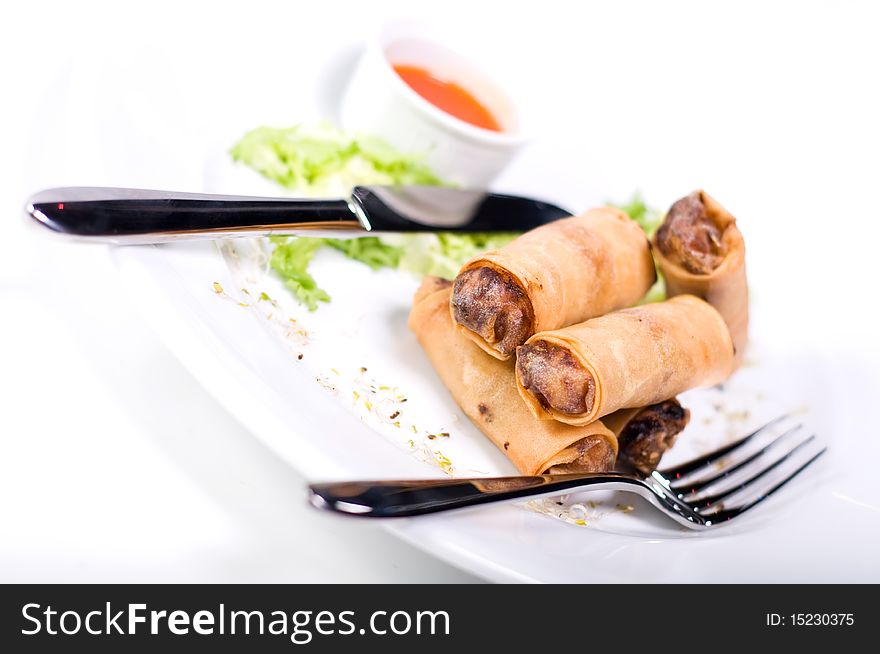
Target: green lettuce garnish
(443, 254)
(290, 259)
(421, 254)
(322, 160)
(371, 250)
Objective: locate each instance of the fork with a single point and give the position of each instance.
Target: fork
(706, 492)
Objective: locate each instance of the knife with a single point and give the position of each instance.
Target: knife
(129, 216)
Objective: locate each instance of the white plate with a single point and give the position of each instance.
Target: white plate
(326, 391)
(814, 345)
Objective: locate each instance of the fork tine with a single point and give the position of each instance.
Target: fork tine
(726, 470)
(717, 498)
(712, 457)
(730, 514)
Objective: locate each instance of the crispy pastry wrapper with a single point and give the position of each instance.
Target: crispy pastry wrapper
(725, 288)
(557, 275)
(485, 389)
(635, 357)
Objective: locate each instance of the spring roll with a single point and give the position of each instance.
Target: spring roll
(701, 252)
(485, 389)
(629, 358)
(556, 275)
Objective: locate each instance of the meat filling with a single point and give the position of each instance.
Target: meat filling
(690, 238)
(493, 306)
(555, 377)
(647, 436)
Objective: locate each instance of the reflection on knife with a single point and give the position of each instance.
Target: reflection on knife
(127, 216)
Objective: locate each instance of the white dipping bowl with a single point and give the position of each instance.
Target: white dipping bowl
(377, 101)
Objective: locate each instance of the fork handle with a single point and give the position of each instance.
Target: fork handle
(397, 499)
(121, 215)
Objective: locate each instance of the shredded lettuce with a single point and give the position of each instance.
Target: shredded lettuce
(421, 254)
(442, 255)
(322, 160)
(370, 250)
(291, 259)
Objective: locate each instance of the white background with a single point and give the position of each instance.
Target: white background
(116, 466)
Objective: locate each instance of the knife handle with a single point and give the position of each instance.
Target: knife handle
(127, 216)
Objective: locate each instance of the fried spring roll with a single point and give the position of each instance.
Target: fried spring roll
(643, 436)
(556, 275)
(701, 252)
(628, 358)
(485, 390)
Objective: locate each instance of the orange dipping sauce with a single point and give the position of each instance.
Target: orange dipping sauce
(448, 96)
